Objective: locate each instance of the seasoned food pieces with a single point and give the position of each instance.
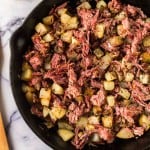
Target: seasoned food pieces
(87, 72)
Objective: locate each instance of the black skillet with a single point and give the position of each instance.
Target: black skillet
(19, 43)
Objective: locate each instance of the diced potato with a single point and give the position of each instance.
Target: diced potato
(45, 93)
(72, 24)
(72, 55)
(126, 64)
(45, 111)
(121, 31)
(49, 124)
(26, 88)
(124, 93)
(62, 11)
(126, 102)
(148, 20)
(99, 31)
(145, 78)
(93, 120)
(52, 115)
(80, 134)
(146, 41)
(95, 138)
(89, 91)
(74, 42)
(145, 57)
(47, 66)
(57, 89)
(110, 100)
(101, 5)
(65, 134)
(115, 41)
(67, 36)
(45, 102)
(110, 76)
(48, 20)
(29, 97)
(129, 77)
(60, 30)
(79, 98)
(57, 113)
(98, 52)
(69, 22)
(144, 121)
(25, 66)
(96, 110)
(37, 86)
(65, 18)
(89, 127)
(109, 85)
(48, 37)
(105, 61)
(107, 121)
(82, 122)
(26, 75)
(84, 5)
(41, 28)
(120, 16)
(125, 133)
(64, 125)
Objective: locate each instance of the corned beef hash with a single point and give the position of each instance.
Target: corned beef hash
(88, 72)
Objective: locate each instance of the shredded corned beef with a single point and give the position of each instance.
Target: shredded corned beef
(105, 133)
(55, 61)
(79, 142)
(88, 18)
(40, 44)
(74, 112)
(115, 6)
(138, 131)
(128, 112)
(88, 71)
(99, 98)
(36, 61)
(84, 39)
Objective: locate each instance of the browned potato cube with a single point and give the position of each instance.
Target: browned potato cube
(26, 75)
(84, 5)
(101, 5)
(115, 41)
(99, 31)
(48, 20)
(41, 28)
(29, 97)
(45, 93)
(48, 37)
(65, 134)
(125, 133)
(107, 121)
(57, 89)
(146, 41)
(145, 57)
(64, 125)
(144, 121)
(124, 93)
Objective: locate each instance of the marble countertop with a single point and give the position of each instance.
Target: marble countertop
(20, 136)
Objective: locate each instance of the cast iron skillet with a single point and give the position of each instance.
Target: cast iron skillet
(19, 43)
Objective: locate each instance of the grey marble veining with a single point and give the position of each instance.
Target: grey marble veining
(20, 136)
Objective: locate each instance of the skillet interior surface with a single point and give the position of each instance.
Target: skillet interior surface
(19, 44)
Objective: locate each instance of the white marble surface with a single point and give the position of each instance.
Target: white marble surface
(20, 136)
